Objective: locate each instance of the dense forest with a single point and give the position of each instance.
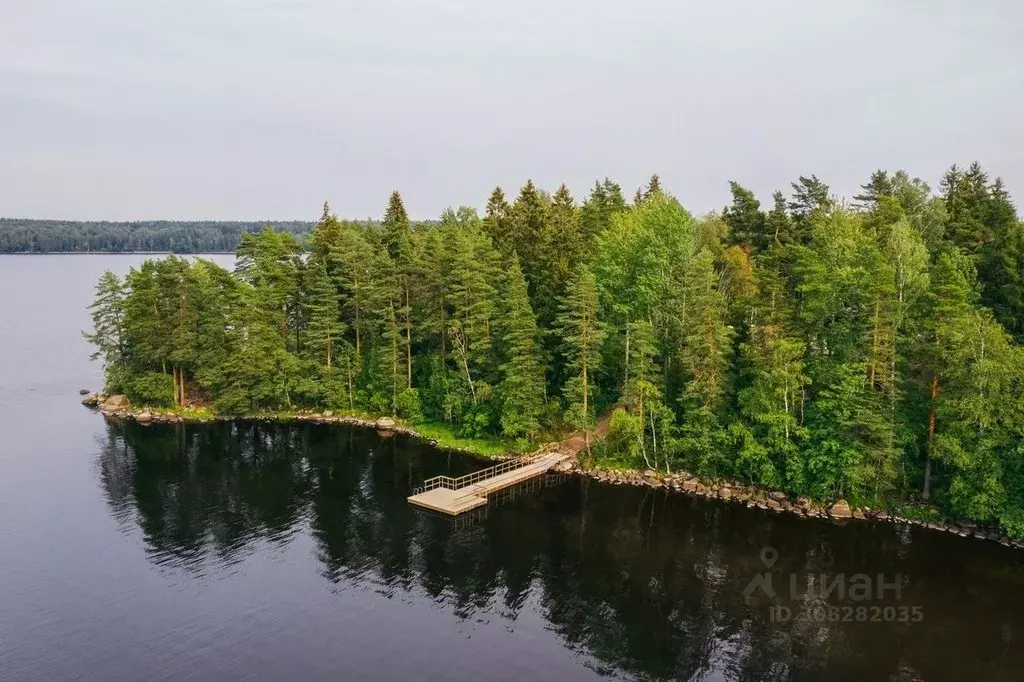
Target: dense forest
(69, 236)
(866, 349)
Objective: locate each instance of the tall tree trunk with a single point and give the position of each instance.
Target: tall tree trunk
(625, 381)
(927, 492)
(408, 335)
(348, 369)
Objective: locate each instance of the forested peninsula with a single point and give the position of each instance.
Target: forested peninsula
(866, 349)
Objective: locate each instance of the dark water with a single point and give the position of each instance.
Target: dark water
(258, 551)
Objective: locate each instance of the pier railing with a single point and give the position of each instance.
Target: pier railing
(477, 476)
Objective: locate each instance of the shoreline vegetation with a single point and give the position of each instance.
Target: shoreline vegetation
(444, 438)
(861, 355)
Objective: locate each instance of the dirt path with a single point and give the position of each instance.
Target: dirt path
(577, 441)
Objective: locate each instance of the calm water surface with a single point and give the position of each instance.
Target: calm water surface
(256, 551)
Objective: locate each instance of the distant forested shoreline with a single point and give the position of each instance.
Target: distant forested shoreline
(19, 235)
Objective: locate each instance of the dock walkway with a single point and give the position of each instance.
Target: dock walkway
(456, 495)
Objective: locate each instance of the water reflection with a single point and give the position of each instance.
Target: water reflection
(640, 582)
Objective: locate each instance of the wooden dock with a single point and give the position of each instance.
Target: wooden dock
(453, 496)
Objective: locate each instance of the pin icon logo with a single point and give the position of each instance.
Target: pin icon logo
(763, 581)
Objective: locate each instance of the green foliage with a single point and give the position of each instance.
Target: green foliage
(625, 432)
(409, 407)
(150, 389)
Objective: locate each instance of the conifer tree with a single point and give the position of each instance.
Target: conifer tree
(581, 338)
(397, 232)
(497, 221)
(745, 219)
(778, 224)
(595, 215)
(323, 315)
(522, 388)
(107, 311)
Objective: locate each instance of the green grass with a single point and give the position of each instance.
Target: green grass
(918, 513)
(446, 438)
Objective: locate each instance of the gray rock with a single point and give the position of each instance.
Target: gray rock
(83, 391)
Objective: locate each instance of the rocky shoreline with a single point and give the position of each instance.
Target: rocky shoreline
(781, 503)
(117, 407)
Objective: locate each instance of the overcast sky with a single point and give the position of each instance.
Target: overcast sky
(220, 109)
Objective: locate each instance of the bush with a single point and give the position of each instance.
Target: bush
(624, 434)
(154, 389)
(409, 406)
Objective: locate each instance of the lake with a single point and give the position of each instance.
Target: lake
(265, 551)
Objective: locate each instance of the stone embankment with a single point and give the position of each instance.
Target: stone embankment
(781, 503)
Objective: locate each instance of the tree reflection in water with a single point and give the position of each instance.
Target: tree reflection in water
(649, 584)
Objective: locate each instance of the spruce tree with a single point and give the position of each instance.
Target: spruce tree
(581, 336)
(397, 232)
(521, 389)
(497, 221)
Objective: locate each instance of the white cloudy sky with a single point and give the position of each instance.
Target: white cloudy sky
(128, 109)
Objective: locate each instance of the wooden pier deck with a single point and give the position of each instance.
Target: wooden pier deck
(456, 495)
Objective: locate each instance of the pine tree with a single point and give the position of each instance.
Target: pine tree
(880, 185)
(745, 219)
(107, 311)
(653, 187)
(778, 224)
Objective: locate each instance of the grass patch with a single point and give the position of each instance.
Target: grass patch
(918, 513)
(447, 438)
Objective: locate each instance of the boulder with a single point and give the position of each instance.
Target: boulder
(144, 417)
(385, 423)
(777, 496)
(115, 402)
(858, 514)
(328, 413)
(804, 502)
(83, 391)
(773, 503)
(725, 493)
(91, 400)
(840, 510)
